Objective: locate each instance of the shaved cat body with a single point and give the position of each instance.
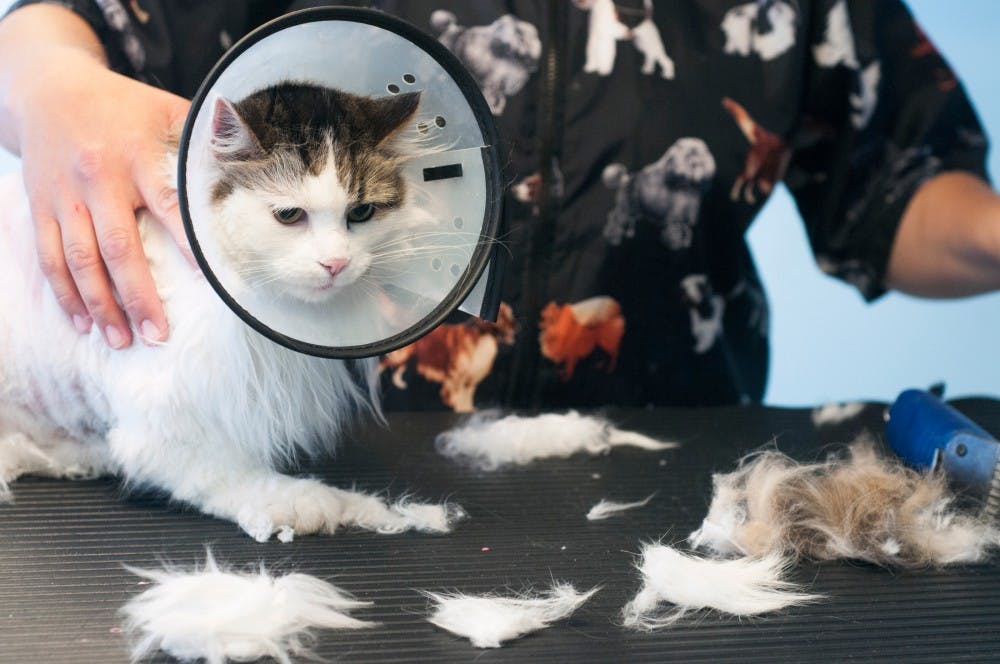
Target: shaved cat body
(307, 185)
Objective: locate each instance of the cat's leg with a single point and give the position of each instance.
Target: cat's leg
(223, 482)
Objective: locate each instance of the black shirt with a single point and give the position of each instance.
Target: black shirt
(640, 139)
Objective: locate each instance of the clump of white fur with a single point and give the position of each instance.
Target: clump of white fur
(741, 587)
(218, 615)
(489, 620)
(860, 506)
(489, 442)
(605, 509)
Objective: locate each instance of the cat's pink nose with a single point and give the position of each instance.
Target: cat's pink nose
(335, 265)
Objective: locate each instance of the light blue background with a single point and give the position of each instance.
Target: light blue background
(827, 344)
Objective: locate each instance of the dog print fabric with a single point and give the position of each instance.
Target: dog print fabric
(573, 332)
(458, 357)
(606, 27)
(667, 193)
(765, 162)
(765, 28)
(638, 140)
(501, 55)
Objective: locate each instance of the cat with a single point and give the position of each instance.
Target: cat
(307, 183)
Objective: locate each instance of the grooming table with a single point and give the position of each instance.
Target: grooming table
(63, 544)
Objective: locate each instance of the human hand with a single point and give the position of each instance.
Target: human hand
(92, 144)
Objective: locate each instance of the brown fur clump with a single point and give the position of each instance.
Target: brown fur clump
(861, 506)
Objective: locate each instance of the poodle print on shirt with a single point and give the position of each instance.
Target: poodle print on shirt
(667, 193)
(502, 56)
(766, 161)
(764, 27)
(572, 332)
(608, 25)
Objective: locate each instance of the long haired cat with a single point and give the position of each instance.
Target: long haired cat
(307, 183)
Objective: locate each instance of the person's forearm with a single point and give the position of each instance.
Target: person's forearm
(28, 36)
(948, 243)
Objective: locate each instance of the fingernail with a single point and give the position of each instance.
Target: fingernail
(114, 336)
(150, 332)
(82, 323)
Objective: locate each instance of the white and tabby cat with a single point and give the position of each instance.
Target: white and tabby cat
(307, 185)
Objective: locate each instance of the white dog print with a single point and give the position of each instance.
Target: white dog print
(606, 29)
(667, 192)
(864, 101)
(502, 55)
(706, 308)
(838, 49)
(838, 40)
(764, 27)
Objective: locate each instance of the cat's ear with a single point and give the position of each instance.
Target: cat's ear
(391, 114)
(232, 138)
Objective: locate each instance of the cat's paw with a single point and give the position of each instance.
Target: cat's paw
(302, 507)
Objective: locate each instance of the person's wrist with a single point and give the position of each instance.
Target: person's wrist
(30, 88)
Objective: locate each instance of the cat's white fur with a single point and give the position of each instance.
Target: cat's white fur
(208, 416)
(288, 259)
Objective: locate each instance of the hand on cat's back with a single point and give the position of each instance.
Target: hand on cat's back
(92, 144)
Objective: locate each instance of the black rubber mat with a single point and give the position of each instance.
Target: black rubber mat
(63, 544)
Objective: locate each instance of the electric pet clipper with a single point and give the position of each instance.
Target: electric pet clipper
(929, 434)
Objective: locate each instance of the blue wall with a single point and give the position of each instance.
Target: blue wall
(827, 344)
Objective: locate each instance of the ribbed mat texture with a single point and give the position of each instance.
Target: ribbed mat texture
(63, 546)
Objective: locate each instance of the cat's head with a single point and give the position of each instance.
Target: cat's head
(309, 186)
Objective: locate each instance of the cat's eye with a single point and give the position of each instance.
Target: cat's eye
(288, 215)
(360, 213)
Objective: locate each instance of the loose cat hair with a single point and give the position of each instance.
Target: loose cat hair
(862, 506)
(211, 415)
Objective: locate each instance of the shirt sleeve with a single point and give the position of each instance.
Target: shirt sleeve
(109, 37)
(171, 45)
(882, 113)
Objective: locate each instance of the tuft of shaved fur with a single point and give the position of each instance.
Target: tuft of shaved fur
(217, 615)
(489, 620)
(488, 442)
(605, 509)
(740, 587)
(859, 505)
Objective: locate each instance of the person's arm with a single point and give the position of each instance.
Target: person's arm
(948, 244)
(91, 143)
(889, 166)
